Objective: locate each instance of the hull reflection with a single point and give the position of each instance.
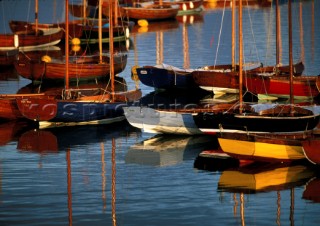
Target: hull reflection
(166, 150)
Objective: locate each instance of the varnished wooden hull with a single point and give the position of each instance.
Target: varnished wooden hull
(8, 106)
(185, 7)
(87, 33)
(298, 69)
(151, 13)
(31, 41)
(9, 109)
(221, 78)
(91, 34)
(217, 81)
(77, 109)
(75, 27)
(79, 70)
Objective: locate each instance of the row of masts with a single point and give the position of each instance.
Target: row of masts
(277, 46)
(111, 49)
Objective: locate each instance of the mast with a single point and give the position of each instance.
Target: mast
(36, 14)
(100, 30)
(290, 51)
(67, 45)
(116, 2)
(301, 32)
(312, 29)
(186, 59)
(240, 55)
(111, 46)
(84, 3)
(277, 33)
(233, 37)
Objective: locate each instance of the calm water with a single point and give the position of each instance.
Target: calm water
(117, 175)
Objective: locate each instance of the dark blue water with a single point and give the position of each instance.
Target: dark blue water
(117, 175)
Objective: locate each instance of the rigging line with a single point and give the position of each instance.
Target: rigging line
(3, 18)
(28, 14)
(224, 9)
(269, 34)
(251, 27)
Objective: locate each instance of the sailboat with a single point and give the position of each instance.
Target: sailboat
(168, 77)
(81, 66)
(150, 11)
(233, 117)
(30, 39)
(276, 83)
(257, 118)
(268, 137)
(86, 29)
(225, 78)
(78, 107)
(186, 7)
(87, 67)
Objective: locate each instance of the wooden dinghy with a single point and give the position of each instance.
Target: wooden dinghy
(263, 147)
(81, 106)
(186, 7)
(29, 40)
(9, 108)
(150, 12)
(80, 68)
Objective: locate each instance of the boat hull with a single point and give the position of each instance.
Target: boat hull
(37, 70)
(211, 123)
(261, 148)
(311, 150)
(77, 109)
(8, 57)
(75, 27)
(163, 78)
(304, 87)
(9, 109)
(150, 13)
(218, 80)
(31, 41)
(185, 7)
(156, 121)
